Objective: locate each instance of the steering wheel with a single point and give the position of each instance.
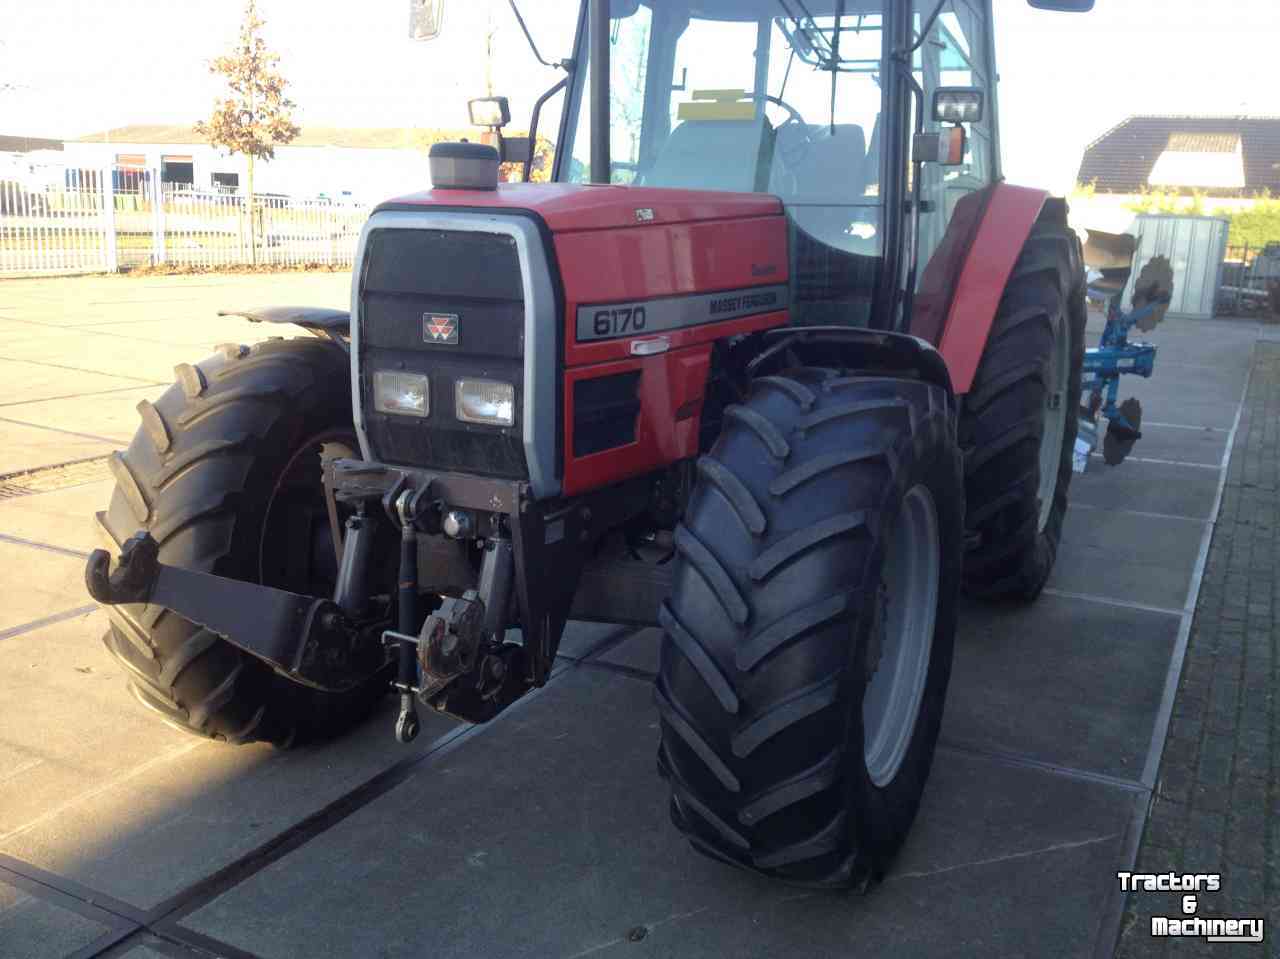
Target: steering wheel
(793, 155)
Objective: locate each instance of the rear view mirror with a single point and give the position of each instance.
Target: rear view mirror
(516, 150)
(1064, 6)
(426, 17)
(510, 149)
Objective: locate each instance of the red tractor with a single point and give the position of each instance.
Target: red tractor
(777, 362)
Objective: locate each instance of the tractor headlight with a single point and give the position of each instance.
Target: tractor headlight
(405, 393)
(485, 401)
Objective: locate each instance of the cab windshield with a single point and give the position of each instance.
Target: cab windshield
(768, 96)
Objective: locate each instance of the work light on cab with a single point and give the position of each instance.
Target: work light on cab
(489, 112)
(957, 105)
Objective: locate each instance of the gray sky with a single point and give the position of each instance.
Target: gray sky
(82, 66)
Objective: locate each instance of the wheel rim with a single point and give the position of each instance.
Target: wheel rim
(1055, 424)
(903, 636)
(303, 475)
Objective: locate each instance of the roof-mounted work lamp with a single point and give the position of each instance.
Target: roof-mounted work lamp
(494, 113)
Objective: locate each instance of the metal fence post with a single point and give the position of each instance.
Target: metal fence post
(107, 191)
(157, 217)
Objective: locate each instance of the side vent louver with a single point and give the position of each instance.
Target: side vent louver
(604, 412)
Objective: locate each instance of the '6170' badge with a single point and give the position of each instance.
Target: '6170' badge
(440, 328)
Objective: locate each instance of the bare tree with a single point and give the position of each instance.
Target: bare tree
(7, 83)
(628, 64)
(257, 116)
(490, 35)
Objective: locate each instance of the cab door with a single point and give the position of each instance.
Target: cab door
(955, 54)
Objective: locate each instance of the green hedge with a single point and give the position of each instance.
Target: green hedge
(1257, 226)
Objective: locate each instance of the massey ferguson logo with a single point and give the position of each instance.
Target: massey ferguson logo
(440, 328)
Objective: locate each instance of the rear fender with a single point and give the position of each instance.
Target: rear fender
(962, 284)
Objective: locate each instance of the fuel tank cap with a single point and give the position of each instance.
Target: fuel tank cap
(463, 166)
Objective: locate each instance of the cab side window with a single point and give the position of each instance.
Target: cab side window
(953, 55)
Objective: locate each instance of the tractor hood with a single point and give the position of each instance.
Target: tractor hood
(570, 207)
(624, 289)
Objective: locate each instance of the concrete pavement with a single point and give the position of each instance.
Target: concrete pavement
(545, 833)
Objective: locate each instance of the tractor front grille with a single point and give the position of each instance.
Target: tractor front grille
(451, 305)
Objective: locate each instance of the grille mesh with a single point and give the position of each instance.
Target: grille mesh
(47, 479)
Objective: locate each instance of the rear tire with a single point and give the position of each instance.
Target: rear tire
(232, 438)
(1018, 422)
(780, 614)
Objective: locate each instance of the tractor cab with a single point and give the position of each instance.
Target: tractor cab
(867, 119)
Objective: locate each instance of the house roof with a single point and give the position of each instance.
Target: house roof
(1121, 160)
(1203, 142)
(13, 144)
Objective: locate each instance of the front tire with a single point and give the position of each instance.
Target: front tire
(225, 473)
(818, 562)
(1018, 422)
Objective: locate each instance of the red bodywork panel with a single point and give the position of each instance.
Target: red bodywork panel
(637, 263)
(962, 285)
(600, 206)
(626, 245)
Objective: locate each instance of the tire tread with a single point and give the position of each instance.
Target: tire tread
(755, 661)
(1009, 556)
(197, 466)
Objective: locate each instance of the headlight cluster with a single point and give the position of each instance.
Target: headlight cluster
(488, 402)
(485, 401)
(405, 393)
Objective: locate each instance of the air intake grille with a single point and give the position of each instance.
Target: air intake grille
(604, 412)
(411, 279)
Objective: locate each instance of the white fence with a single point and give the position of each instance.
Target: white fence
(108, 222)
(53, 231)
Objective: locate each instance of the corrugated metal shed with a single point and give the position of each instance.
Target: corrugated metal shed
(1196, 247)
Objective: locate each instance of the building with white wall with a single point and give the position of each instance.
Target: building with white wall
(364, 165)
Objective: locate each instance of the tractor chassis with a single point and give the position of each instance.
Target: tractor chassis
(531, 559)
(495, 556)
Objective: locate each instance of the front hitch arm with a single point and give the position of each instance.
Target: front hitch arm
(306, 638)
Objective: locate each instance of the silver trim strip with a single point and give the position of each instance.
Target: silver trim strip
(540, 325)
(618, 320)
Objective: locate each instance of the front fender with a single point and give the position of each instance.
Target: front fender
(855, 347)
(318, 318)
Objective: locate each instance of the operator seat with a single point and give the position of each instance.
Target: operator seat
(715, 155)
(832, 277)
(833, 173)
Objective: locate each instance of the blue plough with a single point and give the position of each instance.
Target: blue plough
(1109, 258)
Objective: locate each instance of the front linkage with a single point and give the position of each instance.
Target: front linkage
(457, 660)
(311, 640)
